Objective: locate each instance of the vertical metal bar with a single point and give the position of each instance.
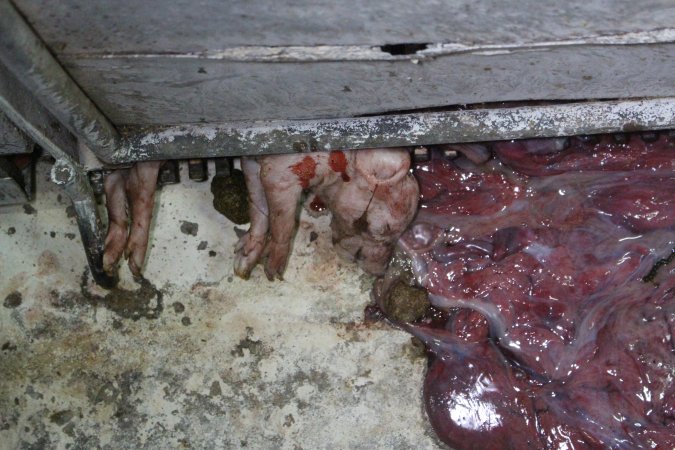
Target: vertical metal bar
(77, 186)
(27, 57)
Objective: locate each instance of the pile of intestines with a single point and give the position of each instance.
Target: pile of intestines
(547, 263)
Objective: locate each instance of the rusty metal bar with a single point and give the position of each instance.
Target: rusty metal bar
(470, 125)
(27, 57)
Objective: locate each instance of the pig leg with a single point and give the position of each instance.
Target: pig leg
(283, 192)
(251, 245)
(140, 187)
(116, 204)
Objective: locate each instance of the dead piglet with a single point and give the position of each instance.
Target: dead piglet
(130, 198)
(372, 210)
(370, 193)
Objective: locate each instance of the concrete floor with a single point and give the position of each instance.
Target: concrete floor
(195, 358)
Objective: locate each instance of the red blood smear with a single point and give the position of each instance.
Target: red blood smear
(338, 162)
(317, 204)
(305, 171)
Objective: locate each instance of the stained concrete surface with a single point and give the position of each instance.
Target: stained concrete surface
(194, 357)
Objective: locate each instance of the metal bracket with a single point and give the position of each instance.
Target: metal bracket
(28, 115)
(76, 184)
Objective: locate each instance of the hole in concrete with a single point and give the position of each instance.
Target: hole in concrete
(403, 49)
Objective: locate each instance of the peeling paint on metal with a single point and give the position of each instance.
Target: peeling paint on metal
(254, 138)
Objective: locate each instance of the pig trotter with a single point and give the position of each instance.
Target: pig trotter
(250, 247)
(129, 197)
(116, 203)
(283, 193)
(140, 188)
(248, 252)
(277, 256)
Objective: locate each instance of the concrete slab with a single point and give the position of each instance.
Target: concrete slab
(195, 358)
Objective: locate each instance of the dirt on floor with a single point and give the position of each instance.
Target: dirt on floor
(193, 357)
